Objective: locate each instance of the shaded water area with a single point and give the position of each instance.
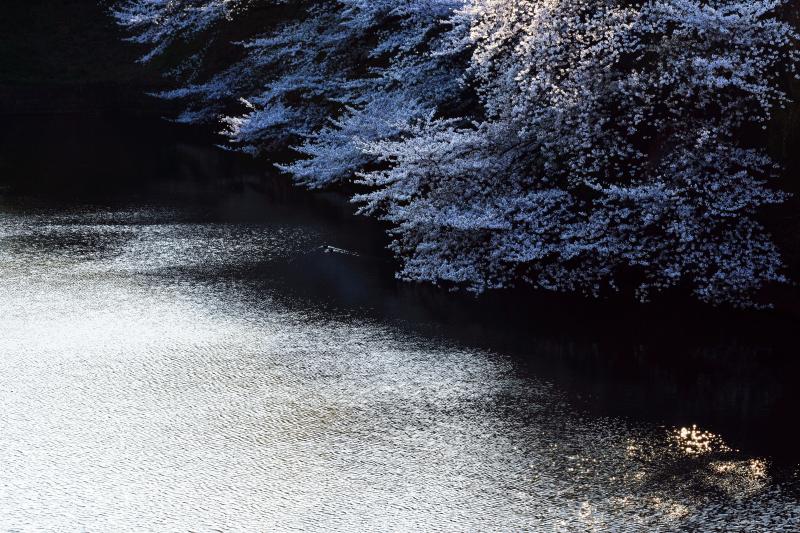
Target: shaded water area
(187, 345)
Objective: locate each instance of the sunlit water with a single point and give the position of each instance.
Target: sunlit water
(196, 361)
(152, 378)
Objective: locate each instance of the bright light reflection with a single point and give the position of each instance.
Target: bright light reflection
(695, 441)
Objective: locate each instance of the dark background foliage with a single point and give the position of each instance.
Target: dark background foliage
(67, 56)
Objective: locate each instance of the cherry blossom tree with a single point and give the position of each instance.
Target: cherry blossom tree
(323, 76)
(574, 145)
(610, 150)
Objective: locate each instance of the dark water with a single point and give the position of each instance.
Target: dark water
(186, 345)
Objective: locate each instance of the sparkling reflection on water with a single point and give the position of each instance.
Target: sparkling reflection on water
(149, 383)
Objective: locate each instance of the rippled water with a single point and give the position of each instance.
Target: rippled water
(174, 368)
(140, 391)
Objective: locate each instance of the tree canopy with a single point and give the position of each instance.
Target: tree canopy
(573, 145)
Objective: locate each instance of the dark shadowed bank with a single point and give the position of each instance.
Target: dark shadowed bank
(68, 56)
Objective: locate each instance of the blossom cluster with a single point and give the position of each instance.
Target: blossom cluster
(575, 145)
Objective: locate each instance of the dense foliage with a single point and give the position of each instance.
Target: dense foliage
(573, 145)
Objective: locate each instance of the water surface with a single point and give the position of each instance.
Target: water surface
(239, 359)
